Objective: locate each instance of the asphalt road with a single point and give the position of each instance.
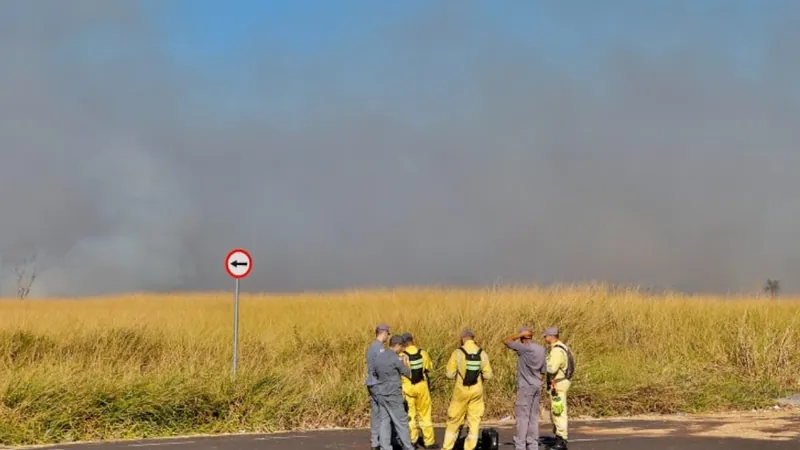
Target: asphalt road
(615, 435)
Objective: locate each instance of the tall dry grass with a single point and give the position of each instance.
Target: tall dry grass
(139, 366)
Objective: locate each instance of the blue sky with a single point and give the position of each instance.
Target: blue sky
(349, 47)
(208, 31)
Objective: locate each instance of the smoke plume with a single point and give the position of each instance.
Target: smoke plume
(439, 148)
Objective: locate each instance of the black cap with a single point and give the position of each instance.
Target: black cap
(395, 340)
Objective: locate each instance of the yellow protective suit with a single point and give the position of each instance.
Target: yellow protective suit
(467, 401)
(418, 397)
(556, 368)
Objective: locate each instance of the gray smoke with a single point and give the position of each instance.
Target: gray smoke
(127, 171)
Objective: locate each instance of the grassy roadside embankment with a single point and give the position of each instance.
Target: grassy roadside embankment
(145, 366)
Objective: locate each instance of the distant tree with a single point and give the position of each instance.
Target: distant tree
(773, 287)
(26, 275)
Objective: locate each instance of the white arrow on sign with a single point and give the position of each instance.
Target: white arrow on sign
(238, 263)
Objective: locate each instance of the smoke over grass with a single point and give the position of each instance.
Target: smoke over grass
(439, 148)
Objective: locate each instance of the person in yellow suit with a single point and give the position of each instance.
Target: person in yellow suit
(417, 393)
(559, 373)
(471, 365)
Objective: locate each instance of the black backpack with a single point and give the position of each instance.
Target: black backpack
(570, 361)
(417, 366)
(473, 367)
(488, 439)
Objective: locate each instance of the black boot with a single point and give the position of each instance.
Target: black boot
(561, 444)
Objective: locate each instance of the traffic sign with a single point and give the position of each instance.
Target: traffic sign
(238, 263)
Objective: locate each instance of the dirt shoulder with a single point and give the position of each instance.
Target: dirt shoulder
(780, 424)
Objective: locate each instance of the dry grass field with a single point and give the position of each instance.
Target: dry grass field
(148, 365)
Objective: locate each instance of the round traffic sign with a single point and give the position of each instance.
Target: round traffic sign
(238, 263)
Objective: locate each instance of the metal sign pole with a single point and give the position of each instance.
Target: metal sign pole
(238, 264)
(235, 328)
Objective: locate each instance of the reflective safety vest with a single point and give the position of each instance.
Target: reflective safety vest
(570, 362)
(417, 366)
(473, 366)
